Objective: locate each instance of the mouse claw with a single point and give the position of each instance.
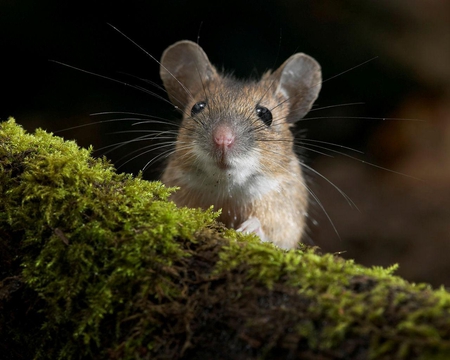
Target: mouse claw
(253, 225)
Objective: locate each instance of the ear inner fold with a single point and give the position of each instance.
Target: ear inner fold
(184, 69)
(299, 82)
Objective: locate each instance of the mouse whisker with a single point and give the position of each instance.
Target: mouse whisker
(115, 146)
(332, 77)
(359, 160)
(358, 118)
(314, 150)
(329, 143)
(339, 190)
(165, 154)
(124, 83)
(143, 151)
(89, 124)
(151, 133)
(350, 69)
(101, 113)
(152, 83)
(154, 59)
(319, 203)
(335, 106)
(155, 120)
(346, 197)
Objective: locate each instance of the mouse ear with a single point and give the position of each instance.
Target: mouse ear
(184, 70)
(299, 82)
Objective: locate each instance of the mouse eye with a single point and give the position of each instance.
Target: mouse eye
(198, 108)
(264, 114)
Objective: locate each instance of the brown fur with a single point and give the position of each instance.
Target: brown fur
(276, 193)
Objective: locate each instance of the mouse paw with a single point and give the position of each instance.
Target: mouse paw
(253, 225)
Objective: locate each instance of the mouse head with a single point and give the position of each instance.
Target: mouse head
(186, 71)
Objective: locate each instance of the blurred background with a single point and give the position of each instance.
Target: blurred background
(386, 94)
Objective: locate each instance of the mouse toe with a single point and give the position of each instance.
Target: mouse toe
(253, 225)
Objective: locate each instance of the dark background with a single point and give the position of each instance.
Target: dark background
(399, 219)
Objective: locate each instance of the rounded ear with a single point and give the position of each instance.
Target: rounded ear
(299, 81)
(184, 70)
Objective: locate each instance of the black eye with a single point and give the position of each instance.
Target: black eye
(198, 108)
(264, 114)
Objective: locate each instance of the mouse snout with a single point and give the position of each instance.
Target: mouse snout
(223, 137)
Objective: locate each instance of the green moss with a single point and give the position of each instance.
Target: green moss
(100, 265)
(351, 300)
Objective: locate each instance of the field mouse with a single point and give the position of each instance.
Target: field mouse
(235, 148)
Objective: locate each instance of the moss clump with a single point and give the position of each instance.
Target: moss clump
(100, 265)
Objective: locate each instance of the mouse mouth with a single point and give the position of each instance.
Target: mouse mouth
(223, 166)
(222, 161)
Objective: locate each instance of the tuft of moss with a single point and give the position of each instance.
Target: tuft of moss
(100, 265)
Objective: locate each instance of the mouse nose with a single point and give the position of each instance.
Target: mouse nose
(223, 136)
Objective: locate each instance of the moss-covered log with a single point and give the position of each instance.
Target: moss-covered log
(100, 265)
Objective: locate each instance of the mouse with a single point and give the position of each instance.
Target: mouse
(235, 148)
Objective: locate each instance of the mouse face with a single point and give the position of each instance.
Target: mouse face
(234, 147)
(229, 135)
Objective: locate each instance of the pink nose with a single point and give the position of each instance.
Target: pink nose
(223, 136)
